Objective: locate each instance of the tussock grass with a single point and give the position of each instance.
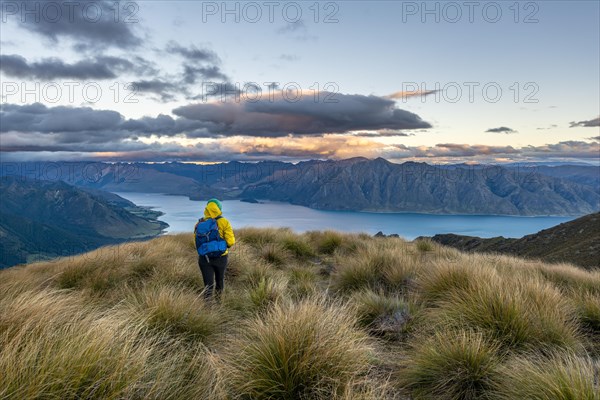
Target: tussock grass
(375, 266)
(177, 311)
(267, 292)
(588, 309)
(275, 253)
(443, 278)
(326, 242)
(63, 349)
(320, 315)
(297, 246)
(424, 245)
(256, 272)
(258, 238)
(304, 350)
(515, 313)
(568, 277)
(452, 365)
(303, 281)
(559, 377)
(382, 314)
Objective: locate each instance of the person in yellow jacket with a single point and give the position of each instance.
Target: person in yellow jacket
(213, 269)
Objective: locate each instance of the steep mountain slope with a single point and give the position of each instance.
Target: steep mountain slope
(353, 184)
(378, 185)
(576, 241)
(54, 218)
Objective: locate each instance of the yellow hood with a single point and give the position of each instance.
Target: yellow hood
(211, 211)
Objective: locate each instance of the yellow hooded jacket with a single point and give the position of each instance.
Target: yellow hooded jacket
(225, 229)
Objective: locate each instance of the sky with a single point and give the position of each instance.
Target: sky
(204, 81)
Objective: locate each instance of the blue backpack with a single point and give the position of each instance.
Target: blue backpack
(209, 242)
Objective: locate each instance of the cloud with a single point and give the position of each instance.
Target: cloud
(66, 125)
(104, 67)
(167, 91)
(595, 138)
(410, 93)
(550, 127)
(91, 24)
(297, 30)
(191, 74)
(34, 131)
(588, 124)
(574, 149)
(293, 149)
(39, 118)
(450, 150)
(192, 53)
(289, 57)
(383, 133)
(281, 117)
(195, 57)
(502, 129)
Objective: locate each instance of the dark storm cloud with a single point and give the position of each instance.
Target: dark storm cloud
(54, 68)
(281, 117)
(588, 124)
(92, 24)
(502, 129)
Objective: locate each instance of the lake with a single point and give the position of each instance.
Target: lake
(181, 214)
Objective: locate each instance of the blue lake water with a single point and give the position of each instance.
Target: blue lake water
(181, 214)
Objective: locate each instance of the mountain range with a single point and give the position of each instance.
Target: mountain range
(45, 219)
(357, 184)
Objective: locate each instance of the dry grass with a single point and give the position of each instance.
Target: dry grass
(297, 350)
(452, 365)
(559, 377)
(321, 315)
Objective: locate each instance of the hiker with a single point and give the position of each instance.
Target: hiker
(213, 238)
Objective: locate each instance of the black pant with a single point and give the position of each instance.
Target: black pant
(213, 270)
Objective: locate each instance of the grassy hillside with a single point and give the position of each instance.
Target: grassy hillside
(321, 315)
(576, 241)
(40, 220)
